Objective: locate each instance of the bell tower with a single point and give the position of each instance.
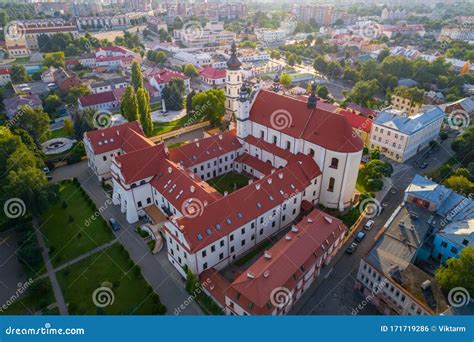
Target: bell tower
(233, 84)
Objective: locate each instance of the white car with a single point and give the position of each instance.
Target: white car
(369, 224)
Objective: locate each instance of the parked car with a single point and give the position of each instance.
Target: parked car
(369, 224)
(114, 224)
(360, 236)
(45, 170)
(424, 165)
(352, 247)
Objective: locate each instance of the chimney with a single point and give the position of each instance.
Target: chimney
(220, 136)
(250, 181)
(269, 180)
(192, 188)
(226, 193)
(170, 169)
(294, 229)
(268, 255)
(426, 285)
(266, 273)
(197, 144)
(250, 275)
(257, 186)
(280, 175)
(287, 237)
(205, 203)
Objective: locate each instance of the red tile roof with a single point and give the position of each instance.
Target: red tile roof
(309, 241)
(255, 163)
(179, 186)
(357, 121)
(319, 126)
(95, 99)
(143, 163)
(126, 136)
(212, 73)
(164, 76)
(205, 149)
(247, 203)
(270, 148)
(362, 110)
(4, 71)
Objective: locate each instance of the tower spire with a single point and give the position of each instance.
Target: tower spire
(233, 63)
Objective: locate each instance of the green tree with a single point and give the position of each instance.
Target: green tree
(129, 104)
(19, 74)
(363, 92)
(35, 121)
(247, 44)
(458, 272)
(189, 102)
(51, 103)
(322, 92)
(75, 93)
(144, 110)
(137, 77)
(320, 64)
(190, 70)
(210, 103)
(54, 59)
(285, 80)
(460, 184)
(68, 127)
(382, 55)
(173, 94)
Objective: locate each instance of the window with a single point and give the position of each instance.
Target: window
(334, 163)
(274, 139)
(222, 243)
(204, 254)
(261, 231)
(331, 184)
(231, 237)
(232, 249)
(204, 266)
(213, 248)
(311, 152)
(104, 158)
(242, 242)
(243, 231)
(465, 242)
(444, 244)
(262, 134)
(221, 256)
(139, 204)
(454, 250)
(288, 145)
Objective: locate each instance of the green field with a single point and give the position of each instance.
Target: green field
(114, 270)
(38, 296)
(229, 182)
(67, 226)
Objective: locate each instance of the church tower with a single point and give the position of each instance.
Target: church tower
(233, 84)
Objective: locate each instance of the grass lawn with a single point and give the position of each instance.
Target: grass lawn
(38, 296)
(360, 184)
(59, 133)
(65, 228)
(165, 127)
(112, 269)
(227, 182)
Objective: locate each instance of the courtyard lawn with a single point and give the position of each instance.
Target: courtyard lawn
(229, 182)
(68, 227)
(59, 133)
(165, 127)
(120, 279)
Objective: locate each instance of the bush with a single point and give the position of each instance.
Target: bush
(374, 184)
(64, 204)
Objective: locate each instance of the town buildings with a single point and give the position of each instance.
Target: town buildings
(432, 224)
(276, 280)
(212, 34)
(323, 15)
(21, 37)
(13, 104)
(159, 79)
(400, 137)
(457, 32)
(293, 165)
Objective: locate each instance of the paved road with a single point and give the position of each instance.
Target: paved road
(335, 295)
(156, 269)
